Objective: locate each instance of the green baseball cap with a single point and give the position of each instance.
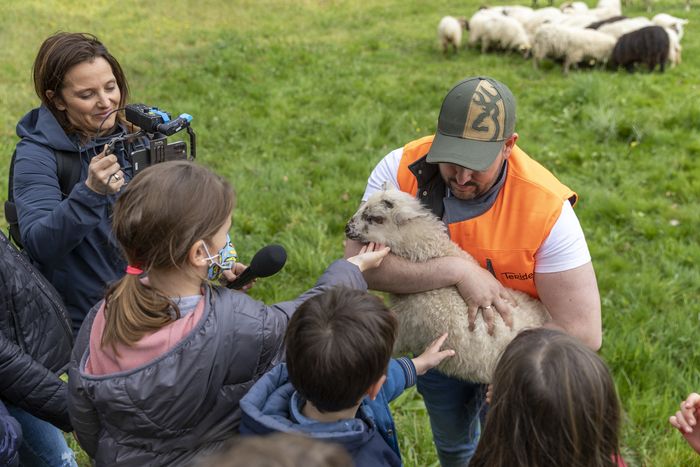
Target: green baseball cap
(476, 117)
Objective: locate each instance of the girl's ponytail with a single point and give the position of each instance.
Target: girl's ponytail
(134, 308)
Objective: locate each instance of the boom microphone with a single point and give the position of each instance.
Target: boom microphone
(266, 262)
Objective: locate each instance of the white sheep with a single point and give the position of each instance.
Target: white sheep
(520, 13)
(614, 6)
(671, 22)
(450, 32)
(573, 45)
(398, 220)
(542, 16)
(500, 31)
(674, 47)
(568, 7)
(622, 27)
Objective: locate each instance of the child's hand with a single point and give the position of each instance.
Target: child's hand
(230, 275)
(489, 394)
(686, 420)
(370, 256)
(432, 356)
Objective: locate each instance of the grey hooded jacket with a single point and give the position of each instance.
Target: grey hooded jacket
(185, 402)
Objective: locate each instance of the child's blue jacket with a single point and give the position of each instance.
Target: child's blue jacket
(273, 405)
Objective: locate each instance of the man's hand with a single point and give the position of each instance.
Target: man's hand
(482, 292)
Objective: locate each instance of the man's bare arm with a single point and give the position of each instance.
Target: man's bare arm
(573, 301)
(475, 284)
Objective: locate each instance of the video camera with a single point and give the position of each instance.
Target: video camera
(155, 125)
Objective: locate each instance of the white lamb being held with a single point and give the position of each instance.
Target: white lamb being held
(398, 220)
(573, 45)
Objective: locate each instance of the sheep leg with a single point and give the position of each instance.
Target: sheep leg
(567, 65)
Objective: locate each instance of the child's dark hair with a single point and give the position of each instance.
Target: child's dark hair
(553, 403)
(338, 344)
(156, 220)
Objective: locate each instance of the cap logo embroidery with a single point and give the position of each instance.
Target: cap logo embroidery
(486, 114)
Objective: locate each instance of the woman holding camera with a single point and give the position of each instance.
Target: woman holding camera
(66, 230)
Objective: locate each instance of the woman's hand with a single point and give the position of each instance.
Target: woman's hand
(104, 174)
(370, 256)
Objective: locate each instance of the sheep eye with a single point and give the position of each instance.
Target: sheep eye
(375, 220)
(388, 204)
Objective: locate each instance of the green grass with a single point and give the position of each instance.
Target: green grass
(295, 102)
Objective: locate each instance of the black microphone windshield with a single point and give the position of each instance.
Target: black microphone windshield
(268, 261)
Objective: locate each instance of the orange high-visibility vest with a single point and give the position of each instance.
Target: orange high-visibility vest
(505, 238)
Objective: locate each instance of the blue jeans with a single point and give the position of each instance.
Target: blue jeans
(456, 409)
(43, 444)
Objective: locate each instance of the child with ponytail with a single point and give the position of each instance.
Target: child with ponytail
(161, 363)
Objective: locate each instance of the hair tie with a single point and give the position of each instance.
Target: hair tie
(134, 270)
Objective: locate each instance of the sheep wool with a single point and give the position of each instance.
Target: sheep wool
(573, 45)
(450, 33)
(502, 32)
(648, 46)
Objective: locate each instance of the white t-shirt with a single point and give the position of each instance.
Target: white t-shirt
(565, 248)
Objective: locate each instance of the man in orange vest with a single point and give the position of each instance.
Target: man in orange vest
(507, 211)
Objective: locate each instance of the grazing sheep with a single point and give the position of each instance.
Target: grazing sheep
(649, 46)
(577, 20)
(398, 220)
(573, 45)
(671, 22)
(618, 29)
(614, 6)
(569, 7)
(500, 31)
(542, 16)
(674, 47)
(450, 32)
(520, 13)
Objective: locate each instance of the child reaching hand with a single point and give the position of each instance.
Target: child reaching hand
(686, 420)
(161, 363)
(339, 377)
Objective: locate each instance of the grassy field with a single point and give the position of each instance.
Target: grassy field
(295, 101)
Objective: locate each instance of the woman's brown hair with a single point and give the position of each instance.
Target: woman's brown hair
(156, 220)
(61, 52)
(554, 403)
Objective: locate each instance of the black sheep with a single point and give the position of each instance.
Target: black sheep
(647, 45)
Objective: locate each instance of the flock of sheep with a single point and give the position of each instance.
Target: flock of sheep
(573, 34)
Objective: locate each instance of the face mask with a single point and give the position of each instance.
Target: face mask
(224, 260)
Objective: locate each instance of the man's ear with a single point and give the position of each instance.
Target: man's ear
(56, 99)
(376, 387)
(197, 255)
(509, 145)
